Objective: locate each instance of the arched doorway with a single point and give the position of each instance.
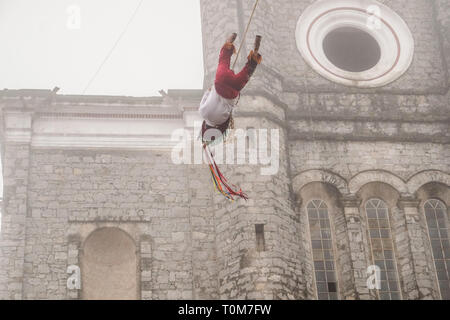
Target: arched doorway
(109, 266)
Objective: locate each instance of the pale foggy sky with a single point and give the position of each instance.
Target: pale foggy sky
(162, 48)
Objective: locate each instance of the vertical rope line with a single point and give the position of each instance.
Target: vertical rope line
(124, 31)
(245, 33)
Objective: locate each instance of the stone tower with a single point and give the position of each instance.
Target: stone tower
(359, 90)
(246, 271)
(356, 94)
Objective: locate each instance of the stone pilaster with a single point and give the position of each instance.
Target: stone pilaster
(146, 268)
(357, 246)
(16, 157)
(343, 257)
(73, 259)
(418, 244)
(403, 256)
(307, 267)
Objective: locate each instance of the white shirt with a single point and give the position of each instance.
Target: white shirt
(215, 109)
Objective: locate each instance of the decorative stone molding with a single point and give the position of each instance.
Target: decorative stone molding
(351, 204)
(380, 22)
(363, 178)
(86, 115)
(97, 126)
(17, 126)
(418, 180)
(351, 201)
(409, 202)
(310, 176)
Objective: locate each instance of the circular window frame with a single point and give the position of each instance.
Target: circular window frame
(349, 48)
(393, 36)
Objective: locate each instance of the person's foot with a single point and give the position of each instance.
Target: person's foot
(254, 58)
(232, 37)
(229, 43)
(257, 43)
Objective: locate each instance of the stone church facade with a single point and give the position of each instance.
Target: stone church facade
(363, 179)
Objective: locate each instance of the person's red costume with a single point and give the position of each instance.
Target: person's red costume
(227, 83)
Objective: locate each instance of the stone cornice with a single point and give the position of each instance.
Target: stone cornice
(86, 115)
(95, 124)
(388, 131)
(408, 202)
(46, 115)
(350, 201)
(300, 115)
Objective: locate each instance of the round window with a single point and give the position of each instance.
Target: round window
(358, 43)
(351, 49)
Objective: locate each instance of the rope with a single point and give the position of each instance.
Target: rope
(113, 47)
(229, 190)
(245, 33)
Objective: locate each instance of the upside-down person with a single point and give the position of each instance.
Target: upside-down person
(216, 107)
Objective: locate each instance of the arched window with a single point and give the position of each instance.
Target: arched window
(109, 266)
(382, 249)
(436, 216)
(323, 253)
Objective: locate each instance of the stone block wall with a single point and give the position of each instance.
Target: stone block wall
(14, 220)
(342, 145)
(73, 188)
